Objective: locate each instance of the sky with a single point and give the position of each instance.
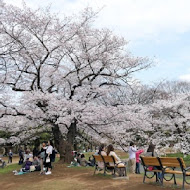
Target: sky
(158, 29)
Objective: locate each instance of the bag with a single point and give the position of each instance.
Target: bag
(32, 168)
(47, 160)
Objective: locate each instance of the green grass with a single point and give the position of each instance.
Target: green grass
(82, 168)
(123, 157)
(88, 154)
(12, 167)
(9, 168)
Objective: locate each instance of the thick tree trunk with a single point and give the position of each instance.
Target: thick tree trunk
(59, 141)
(37, 143)
(70, 141)
(65, 147)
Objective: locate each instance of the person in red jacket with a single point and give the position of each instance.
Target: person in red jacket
(137, 170)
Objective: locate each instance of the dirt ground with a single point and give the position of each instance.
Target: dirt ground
(78, 178)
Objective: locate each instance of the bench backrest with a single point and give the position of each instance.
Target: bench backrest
(172, 162)
(108, 159)
(150, 161)
(98, 158)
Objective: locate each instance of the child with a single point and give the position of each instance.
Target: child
(137, 170)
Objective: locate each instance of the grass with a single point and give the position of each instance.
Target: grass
(9, 168)
(12, 167)
(88, 154)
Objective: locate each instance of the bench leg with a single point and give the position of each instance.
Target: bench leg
(125, 171)
(114, 170)
(175, 183)
(144, 176)
(183, 187)
(156, 176)
(104, 169)
(162, 179)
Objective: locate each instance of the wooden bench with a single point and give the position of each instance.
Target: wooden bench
(110, 159)
(169, 166)
(148, 163)
(107, 166)
(98, 158)
(166, 165)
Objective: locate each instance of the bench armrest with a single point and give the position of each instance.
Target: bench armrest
(187, 168)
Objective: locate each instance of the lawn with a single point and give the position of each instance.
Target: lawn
(9, 168)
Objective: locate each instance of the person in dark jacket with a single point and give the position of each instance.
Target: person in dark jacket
(27, 165)
(151, 148)
(35, 152)
(21, 156)
(10, 156)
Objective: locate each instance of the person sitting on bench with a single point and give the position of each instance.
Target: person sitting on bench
(110, 152)
(101, 151)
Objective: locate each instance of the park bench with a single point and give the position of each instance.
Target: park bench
(107, 167)
(148, 163)
(167, 165)
(98, 158)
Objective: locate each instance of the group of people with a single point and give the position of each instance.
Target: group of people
(37, 160)
(109, 151)
(134, 156)
(80, 160)
(42, 160)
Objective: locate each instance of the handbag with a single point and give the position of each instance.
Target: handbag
(47, 159)
(32, 168)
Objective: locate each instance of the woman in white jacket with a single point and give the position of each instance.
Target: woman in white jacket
(49, 157)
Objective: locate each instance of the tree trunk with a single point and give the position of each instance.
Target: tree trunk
(65, 147)
(70, 141)
(59, 141)
(37, 143)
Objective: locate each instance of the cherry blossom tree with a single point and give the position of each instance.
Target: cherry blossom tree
(170, 122)
(63, 72)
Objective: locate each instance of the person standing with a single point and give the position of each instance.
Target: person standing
(35, 152)
(137, 170)
(132, 157)
(48, 161)
(150, 150)
(10, 156)
(42, 155)
(21, 156)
